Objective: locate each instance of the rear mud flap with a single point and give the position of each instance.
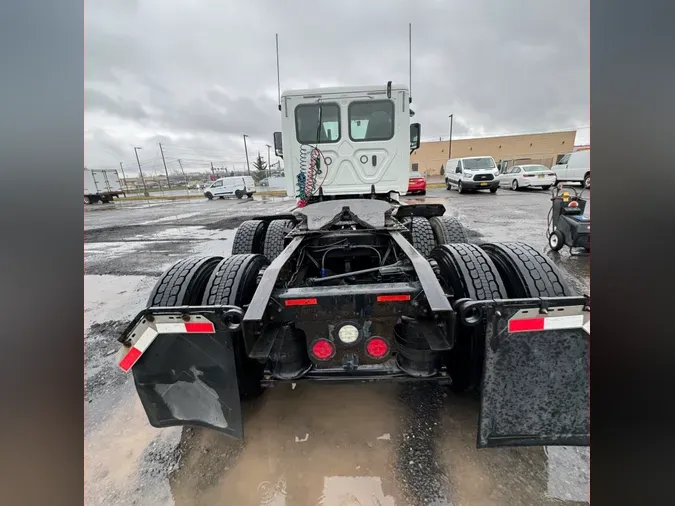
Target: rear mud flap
(535, 387)
(190, 379)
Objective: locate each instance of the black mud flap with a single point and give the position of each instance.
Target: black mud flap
(190, 379)
(535, 388)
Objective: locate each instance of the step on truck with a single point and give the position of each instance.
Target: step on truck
(355, 285)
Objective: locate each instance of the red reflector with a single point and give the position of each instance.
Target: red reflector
(377, 347)
(206, 327)
(525, 325)
(392, 298)
(130, 359)
(323, 349)
(300, 302)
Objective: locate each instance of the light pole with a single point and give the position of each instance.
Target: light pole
(269, 167)
(248, 167)
(450, 139)
(145, 188)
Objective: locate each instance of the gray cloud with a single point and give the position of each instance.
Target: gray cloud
(202, 77)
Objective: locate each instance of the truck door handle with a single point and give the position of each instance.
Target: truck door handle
(374, 158)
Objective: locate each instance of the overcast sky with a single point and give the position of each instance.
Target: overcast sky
(197, 75)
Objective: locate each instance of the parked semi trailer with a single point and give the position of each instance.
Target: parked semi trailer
(355, 285)
(101, 185)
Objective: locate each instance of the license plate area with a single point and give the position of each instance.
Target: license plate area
(483, 184)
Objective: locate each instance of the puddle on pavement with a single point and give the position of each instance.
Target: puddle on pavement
(300, 444)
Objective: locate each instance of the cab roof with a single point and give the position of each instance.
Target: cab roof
(343, 89)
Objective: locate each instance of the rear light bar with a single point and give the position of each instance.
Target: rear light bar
(300, 302)
(392, 298)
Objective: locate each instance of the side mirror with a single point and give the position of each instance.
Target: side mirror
(415, 130)
(278, 146)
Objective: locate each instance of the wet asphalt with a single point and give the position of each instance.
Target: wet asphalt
(305, 443)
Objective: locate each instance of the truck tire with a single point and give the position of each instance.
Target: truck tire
(184, 282)
(422, 235)
(274, 237)
(233, 282)
(209, 195)
(238, 193)
(249, 237)
(460, 187)
(87, 200)
(469, 272)
(526, 272)
(448, 230)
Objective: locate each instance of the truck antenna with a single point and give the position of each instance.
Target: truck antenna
(278, 78)
(409, 62)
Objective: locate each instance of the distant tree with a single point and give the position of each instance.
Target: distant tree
(261, 168)
(442, 170)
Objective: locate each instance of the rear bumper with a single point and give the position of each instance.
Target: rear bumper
(536, 181)
(417, 188)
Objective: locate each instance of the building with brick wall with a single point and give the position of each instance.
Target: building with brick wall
(542, 148)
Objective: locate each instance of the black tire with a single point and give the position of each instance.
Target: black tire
(209, 195)
(460, 187)
(104, 200)
(233, 282)
(87, 200)
(494, 190)
(423, 192)
(221, 197)
(587, 181)
(546, 187)
(275, 237)
(249, 195)
(249, 237)
(468, 271)
(514, 185)
(526, 272)
(448, 230)
(422, 235)
(238, 193)
(556, 240)
(448, 186)
(184, 282)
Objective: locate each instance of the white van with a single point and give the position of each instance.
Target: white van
(233, 185)
(472, 173)
(574, 168)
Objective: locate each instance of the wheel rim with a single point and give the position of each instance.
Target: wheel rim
(459, 186)
(514, 184)
(587, 182)
(553, 241)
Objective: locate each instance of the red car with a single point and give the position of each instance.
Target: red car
(417, 183)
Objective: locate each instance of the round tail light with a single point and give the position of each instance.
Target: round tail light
(323, 349)
(574, 203)
(377, 347)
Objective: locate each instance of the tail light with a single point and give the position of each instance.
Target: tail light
(377, 347)
(323, 349)
(529, 175)
(574, 203)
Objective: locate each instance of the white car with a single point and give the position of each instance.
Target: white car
(527, 176)
(233, 185)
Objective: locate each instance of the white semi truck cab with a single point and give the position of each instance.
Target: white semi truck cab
(346, 141)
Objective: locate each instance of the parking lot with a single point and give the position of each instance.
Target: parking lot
(305, 443)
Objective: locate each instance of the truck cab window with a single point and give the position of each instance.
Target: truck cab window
(371, 121)
(317, 123)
